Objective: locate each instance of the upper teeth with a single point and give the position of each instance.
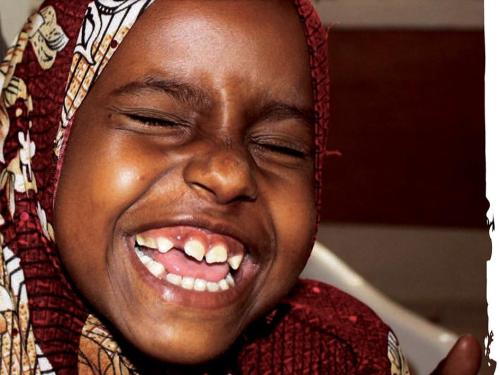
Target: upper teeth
(164, 245)
(235, 261)
(147, 242)
(195, 248)
(217, 254)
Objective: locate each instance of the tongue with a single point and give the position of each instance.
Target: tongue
(177, 262)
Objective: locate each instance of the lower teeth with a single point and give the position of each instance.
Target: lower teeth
(186, 282)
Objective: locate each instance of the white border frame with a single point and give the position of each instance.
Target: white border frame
(492, 104)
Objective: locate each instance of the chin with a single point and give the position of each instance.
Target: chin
(177, 343)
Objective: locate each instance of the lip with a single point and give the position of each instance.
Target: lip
(245, 277)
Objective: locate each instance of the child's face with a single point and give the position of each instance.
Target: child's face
(199, 129)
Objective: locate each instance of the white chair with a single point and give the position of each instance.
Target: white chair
(424, 343)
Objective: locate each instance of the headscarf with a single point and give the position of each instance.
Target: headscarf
(45, 327)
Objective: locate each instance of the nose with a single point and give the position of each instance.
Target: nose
(222, 175)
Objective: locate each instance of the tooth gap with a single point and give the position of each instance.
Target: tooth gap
(233, 271)
(142, 248)
(194, 259)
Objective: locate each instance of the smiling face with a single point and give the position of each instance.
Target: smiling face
(185, 208)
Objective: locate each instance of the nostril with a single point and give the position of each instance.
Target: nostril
(201, 188)
(224, 195)
(223, 176)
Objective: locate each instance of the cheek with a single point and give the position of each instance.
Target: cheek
(97, 183)
(296, 227)
(295, 211)
(293, 216)
(117, 177)
(102, 175)
(294, 219)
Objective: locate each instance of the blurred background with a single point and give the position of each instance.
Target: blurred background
(404, 204)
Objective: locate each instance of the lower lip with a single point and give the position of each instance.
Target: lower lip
(177, 295)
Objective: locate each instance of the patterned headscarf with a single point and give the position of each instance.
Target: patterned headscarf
(45, 327)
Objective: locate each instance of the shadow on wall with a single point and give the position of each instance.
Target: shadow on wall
(3, 46)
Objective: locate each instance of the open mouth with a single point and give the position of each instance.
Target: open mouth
(191, 258)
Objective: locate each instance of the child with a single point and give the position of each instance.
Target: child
(172, 150)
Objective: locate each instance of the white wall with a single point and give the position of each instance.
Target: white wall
(454, 14)
(13, 13)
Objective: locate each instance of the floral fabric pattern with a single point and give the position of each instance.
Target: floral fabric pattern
(20, 353)
(46, 37)
(399, 365)
(104, 26)
(99, 353)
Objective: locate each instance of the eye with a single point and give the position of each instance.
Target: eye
(284, 150)
(280, 149)
(151, 122)
(154, 121)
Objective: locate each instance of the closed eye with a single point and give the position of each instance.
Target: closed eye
(153, 121)
(280, 147)
(284, 150)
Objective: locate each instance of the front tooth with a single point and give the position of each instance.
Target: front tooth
(217, 254)
(174, 279)
(155, 268)
(195, 249)
(212, 287)
(235, 261)
(187, 282)
(146, 242)
(200, 285)
(230, 280)
(164, 245)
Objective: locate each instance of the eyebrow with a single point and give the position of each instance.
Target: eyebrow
(275, 110)
(180, 91)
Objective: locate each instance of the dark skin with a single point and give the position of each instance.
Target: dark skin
(463, 359)
(201, 119)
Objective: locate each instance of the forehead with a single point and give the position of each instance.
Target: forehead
(258, 41)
